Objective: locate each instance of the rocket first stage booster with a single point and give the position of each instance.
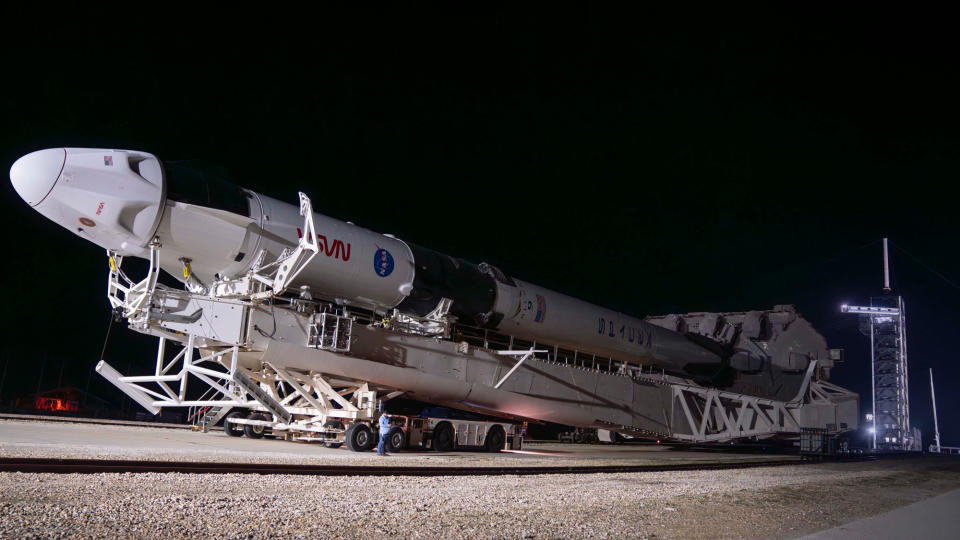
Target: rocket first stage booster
(211, 230)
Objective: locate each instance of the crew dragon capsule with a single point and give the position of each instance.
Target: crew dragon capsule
(122, 200)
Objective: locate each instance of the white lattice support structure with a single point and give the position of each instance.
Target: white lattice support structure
(307, 399)
(828, 393)
(278, 274)
(123, 293)
(170, 388)
(709, 415)
(305, 251)
(311, 394)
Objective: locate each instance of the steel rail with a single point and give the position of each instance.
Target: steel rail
(94, 466)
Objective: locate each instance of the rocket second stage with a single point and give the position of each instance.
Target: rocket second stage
(211, 229)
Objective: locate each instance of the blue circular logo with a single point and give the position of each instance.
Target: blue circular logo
(382, 262)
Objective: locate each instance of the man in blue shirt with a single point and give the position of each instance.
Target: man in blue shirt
(384, 431)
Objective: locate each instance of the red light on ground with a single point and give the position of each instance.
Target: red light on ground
(55, 405)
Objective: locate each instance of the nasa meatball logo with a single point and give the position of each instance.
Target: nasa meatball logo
(382, 262)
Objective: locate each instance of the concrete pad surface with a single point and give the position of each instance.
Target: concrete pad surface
(88, 441)
(931, 519)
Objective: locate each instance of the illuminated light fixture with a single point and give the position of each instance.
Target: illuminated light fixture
(869, 310)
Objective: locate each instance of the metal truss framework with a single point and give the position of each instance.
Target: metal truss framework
(711, 415)
(304, 401)
(301, 401)
(169, 388)
(714, 415)
(280, 392)
(886, 326)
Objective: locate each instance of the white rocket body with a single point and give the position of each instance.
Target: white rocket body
(118, 200)
(354, 265)
(122, 200)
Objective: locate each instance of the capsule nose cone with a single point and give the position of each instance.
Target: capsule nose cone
(35, 174)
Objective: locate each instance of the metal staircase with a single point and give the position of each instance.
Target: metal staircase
(262, 397)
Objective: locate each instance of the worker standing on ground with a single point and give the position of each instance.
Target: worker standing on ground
(384, 432)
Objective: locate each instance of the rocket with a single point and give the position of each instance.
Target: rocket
(212, 230)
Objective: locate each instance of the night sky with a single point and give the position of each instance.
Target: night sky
(649, 166)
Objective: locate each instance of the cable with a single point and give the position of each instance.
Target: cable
(264, 334)
(113, 320)
(927, 267)
(844, 254)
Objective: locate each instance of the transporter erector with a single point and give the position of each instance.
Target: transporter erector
(497, 344)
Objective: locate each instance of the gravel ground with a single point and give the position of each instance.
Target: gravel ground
(755, 503)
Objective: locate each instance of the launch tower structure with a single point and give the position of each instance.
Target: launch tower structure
(884, 321)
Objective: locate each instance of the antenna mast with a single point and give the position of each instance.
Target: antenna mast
(886, 267)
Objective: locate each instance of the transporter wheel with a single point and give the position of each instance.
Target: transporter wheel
(333, 424)
(495, 439)
(359, 437)
(396, 439)
(231, 429)
(255, 432)
(443, 437)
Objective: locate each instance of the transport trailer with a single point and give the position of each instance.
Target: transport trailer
(444, 434)
(406, 432)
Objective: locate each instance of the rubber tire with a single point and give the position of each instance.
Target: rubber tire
(443, 437)
(396, 440)
(335, 425)
(495, 439)
(234, 430)
(255, 432)
(359, 437)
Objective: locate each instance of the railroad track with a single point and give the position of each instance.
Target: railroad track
(92, 466)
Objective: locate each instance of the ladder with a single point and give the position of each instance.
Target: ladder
(213, 415)
(263, 398)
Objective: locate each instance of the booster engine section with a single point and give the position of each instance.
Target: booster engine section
(212, 231)
(530, 310)
(483, 296)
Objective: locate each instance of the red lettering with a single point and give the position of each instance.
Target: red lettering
(336, 249)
